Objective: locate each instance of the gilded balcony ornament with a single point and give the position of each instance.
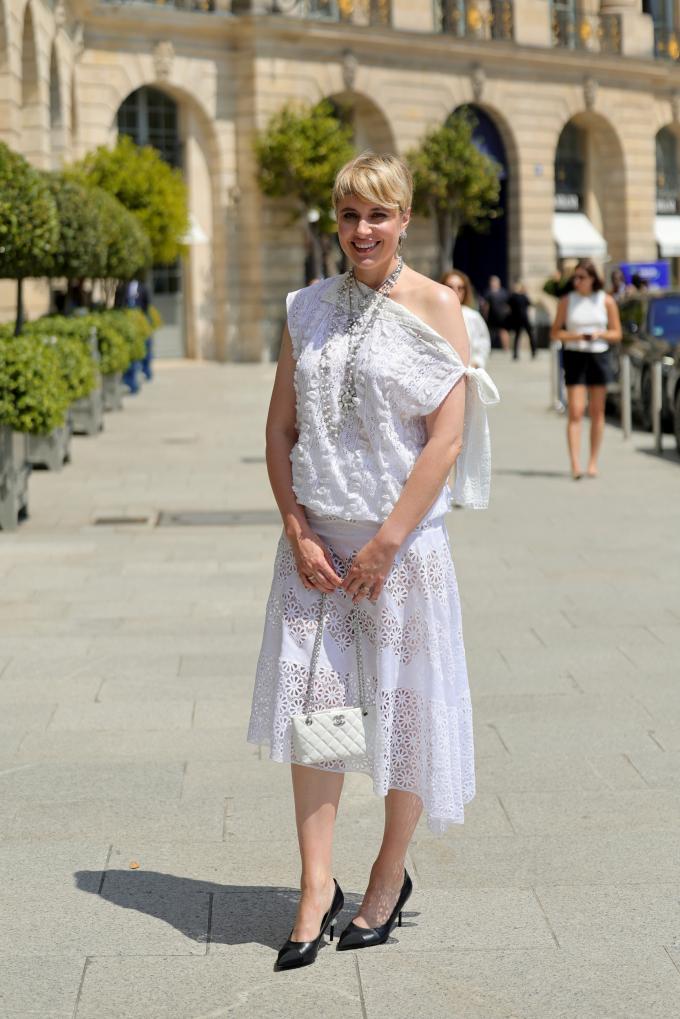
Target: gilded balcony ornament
(346, 9)
(673, 48)
(585, 31)
(474, 18)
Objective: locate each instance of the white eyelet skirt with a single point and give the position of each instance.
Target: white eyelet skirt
(414, 662)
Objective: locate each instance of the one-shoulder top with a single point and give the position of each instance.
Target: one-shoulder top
(404, 369)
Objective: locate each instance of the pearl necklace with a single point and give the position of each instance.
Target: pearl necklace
(358, 324)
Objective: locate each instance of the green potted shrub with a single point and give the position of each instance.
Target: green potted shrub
(76, 340)
(114, 357)
(33, 401)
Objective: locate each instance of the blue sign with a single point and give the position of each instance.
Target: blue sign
(655, 274)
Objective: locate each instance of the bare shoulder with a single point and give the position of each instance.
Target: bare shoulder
(436, 305)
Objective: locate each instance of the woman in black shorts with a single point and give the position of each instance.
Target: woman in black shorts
(587, 321)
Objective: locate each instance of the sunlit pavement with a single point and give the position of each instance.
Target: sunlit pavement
(148, 854)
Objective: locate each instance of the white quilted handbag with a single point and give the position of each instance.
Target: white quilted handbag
(336, 734)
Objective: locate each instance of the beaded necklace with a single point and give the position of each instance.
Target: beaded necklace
(357, 325)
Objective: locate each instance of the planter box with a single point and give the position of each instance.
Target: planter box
(88, 414)
(52, 450)
(14, 472)
(131, 376)
(147, 363)
(112, 389)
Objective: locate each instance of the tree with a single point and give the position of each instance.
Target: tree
(454, 182)
(29, 231)
(82, 248)
(299, 154)
(150, 188)
(128, 248)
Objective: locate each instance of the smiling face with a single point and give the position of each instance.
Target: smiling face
(369, 233)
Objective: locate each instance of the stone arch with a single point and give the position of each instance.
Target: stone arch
(495, 253)
(56, 112)
(7, 112)
(604, 178)
(31, 103)
(201, 311)
(370, 125)
(73, 112)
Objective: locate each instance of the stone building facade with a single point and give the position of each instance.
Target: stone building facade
(200, 77)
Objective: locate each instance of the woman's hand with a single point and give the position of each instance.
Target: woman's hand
(369, 570)
(314, 564)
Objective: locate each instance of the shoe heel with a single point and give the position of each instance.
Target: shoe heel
(399, 920)
(332, 931)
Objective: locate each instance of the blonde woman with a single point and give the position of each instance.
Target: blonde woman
(371, 400)
(477, 329)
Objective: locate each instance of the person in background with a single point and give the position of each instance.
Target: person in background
(519, 318)
(618, 287)
(496, 311)
(477, 330)
(640, 284)
(587, 321)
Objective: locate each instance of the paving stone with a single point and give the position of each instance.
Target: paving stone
(59, 782)
(632, 914)
(38, 986)
(622, 810)
(600, 982)
(570, 857)
(131, 716)
(242, 984)
(25, 717)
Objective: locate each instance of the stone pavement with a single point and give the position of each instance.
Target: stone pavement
(148, 855)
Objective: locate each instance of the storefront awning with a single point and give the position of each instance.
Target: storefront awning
(667, 232)
(576, 237)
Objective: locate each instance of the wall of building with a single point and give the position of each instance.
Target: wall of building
(229, 75)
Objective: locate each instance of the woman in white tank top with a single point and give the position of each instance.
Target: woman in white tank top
(587, 321)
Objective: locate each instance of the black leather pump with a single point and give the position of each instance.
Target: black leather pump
(366, 937)
(294, 954)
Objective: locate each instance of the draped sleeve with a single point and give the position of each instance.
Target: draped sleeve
(295, 303)
(425, 372)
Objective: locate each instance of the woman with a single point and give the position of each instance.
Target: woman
(477, 329)
(365, 422)
(587, 321)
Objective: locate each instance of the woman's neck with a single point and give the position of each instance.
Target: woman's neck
(374, 277)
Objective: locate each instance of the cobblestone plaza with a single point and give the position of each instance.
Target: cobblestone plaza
(148, 854)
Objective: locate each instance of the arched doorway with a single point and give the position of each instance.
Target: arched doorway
(482, 255)
(150, 117)
(667, 222)
(590, 191)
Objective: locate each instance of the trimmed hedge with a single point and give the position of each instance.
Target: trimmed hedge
(34, 397)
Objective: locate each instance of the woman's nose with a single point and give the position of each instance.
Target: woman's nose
(363, 227)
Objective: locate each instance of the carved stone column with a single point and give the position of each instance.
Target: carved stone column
(637, 29)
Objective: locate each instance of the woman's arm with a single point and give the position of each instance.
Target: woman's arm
(281, 435)
(558, 332)
(613, 331)
(444, 429)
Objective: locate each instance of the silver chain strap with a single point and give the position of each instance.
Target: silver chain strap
(316, 652)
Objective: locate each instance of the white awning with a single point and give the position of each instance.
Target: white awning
(667, 232)
(576, 237)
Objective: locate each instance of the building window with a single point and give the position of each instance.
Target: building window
(666, 34)
(150, 117)
(570, 170)
(667, 173)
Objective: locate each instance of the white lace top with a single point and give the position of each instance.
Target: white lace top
(404, 369)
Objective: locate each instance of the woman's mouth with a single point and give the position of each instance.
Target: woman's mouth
(365, 247)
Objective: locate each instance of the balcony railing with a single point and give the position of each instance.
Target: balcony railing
(357, 12)
(200, 6)
(475, 19)
(576, 30)
(666, 43)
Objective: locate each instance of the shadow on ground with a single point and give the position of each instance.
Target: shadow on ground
(231, 915)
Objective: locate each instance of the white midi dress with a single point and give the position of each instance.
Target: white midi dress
(411, 638)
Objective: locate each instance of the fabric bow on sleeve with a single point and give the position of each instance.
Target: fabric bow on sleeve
(473, 466)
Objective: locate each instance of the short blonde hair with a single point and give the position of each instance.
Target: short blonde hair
(383, 179)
